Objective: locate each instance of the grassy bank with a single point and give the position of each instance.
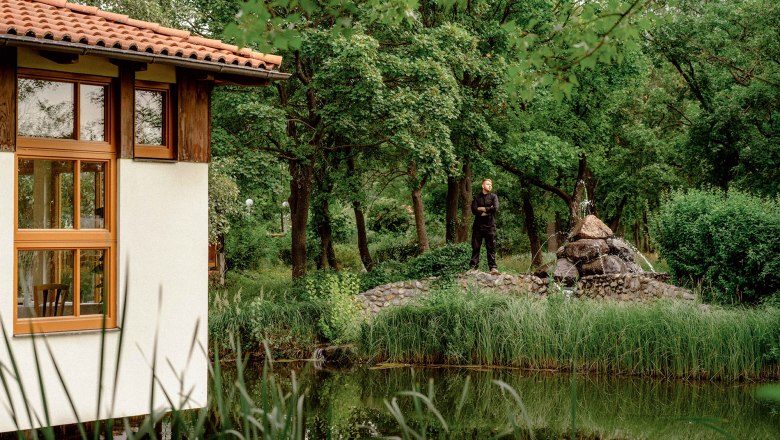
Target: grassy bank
(668, 339)
(255, 309)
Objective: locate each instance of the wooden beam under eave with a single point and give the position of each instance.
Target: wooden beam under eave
(125, 114)
(194, 117)
(60, 57)
(8, 98)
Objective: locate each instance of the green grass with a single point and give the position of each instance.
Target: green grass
(668, 339)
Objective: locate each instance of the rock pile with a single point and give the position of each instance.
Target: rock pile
(592, 249)
(504, 283)
(391, 294)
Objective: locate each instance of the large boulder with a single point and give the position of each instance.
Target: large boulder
(590, 227)
(607, 264)
(566, 272)
(586, 249)
(620, 248)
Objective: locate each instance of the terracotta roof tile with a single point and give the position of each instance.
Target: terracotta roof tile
(61, 21)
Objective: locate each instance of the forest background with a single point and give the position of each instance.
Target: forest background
(395, 111)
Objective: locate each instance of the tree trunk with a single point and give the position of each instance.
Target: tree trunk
(646, 230)
(614, 222)
(552, 237)
(417, 208)
(533, 234)
(300, 200)
(360, 221)
(637, 242)
(451, 217)
(465, 204)
(327, 256)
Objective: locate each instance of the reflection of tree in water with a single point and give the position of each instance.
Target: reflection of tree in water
(45, 109)
(148, 117)
(92, 129)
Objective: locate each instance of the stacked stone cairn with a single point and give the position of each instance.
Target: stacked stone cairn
(592, 249)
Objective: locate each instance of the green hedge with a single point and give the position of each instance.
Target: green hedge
(728, 242)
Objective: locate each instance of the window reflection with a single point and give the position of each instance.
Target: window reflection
(149, 117)
(45, 109)
(93, 195)
(45, 189)
(45, 283)
(92, 115)
(92, 281)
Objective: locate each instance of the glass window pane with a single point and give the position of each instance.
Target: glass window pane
(93, 195)
(92, 115)
(93, 281)
(45, 283)
(149, 117)
(45, 194)
(46, 109)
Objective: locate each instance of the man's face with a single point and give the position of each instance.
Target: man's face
(487, 186)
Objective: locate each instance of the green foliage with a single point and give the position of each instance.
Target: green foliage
(387, 215)
(224, 202)
(250, 245)
(666, 338)
(444, 261)
(394, 248)
(341, 316)
(728, 242)
(287, 327)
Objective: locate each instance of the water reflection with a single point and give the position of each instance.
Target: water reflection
(349, 403)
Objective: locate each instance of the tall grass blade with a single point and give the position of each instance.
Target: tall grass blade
(65, 389)
(524, 413)
(25, 399)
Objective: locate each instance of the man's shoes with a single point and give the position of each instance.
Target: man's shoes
(494, 271)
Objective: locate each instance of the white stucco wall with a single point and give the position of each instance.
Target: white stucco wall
(162, 234)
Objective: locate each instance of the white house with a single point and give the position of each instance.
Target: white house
(104, 149)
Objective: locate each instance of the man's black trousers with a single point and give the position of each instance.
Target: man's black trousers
(489, 236)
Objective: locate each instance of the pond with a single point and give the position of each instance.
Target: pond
(349, 403)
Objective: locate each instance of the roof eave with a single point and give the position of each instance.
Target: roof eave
(151, 58)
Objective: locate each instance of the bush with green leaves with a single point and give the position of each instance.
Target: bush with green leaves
(444, 261)
(340, 319)
(249, 244)
(388, 215)
(728, 242)
(391, 247)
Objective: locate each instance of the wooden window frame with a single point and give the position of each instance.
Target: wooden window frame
(167, 150)
(75, 239)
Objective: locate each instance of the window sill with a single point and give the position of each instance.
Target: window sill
(68, 333)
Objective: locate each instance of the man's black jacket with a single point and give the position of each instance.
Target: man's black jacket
(485, 222)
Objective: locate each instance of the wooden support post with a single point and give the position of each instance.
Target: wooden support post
(8, 97)
(194, 117)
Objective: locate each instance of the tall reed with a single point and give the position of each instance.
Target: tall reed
(666, 338)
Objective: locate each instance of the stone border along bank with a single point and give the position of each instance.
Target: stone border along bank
(630, 287)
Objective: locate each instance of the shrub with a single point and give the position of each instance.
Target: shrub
(443, 261)
(394, 248)
(249, 244)
(387, 215)
(728, 242)
(340, 319)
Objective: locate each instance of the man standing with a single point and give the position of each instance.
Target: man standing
(484, 207)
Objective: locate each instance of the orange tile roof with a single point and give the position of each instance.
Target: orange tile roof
(57, 20)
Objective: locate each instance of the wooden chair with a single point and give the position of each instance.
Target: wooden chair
(49, 299)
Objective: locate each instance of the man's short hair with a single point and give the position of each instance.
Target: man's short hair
(487, 180)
